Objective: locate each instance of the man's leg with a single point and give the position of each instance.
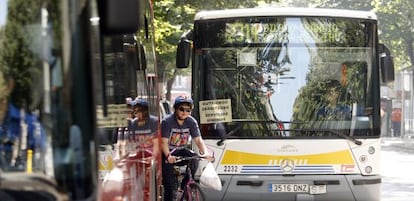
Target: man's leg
(193, 165)
(398, 128)
(168, 179)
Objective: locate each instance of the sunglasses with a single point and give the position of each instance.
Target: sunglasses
(182, 109)
(139, 110)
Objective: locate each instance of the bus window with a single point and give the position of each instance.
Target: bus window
(62, 72)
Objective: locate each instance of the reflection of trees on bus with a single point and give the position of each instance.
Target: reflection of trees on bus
(330, 99)
(350, 75)
(250, 85)
(21, 64)
(245, 86)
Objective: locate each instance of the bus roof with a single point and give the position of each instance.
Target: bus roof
(284, 11)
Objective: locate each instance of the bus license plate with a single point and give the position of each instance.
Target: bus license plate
(289, 188)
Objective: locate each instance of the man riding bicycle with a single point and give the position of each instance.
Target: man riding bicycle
(177, 130)
(140, 145)
(144, 133)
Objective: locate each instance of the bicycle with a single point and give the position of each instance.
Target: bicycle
(146, 168)
(182, 168)
(135, 175)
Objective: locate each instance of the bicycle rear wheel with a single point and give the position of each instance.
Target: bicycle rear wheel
(195, 194)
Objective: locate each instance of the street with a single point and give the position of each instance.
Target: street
(397, 170)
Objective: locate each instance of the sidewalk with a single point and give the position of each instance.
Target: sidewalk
(403, 143)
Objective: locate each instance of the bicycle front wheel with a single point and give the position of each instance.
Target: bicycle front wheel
(195, 194)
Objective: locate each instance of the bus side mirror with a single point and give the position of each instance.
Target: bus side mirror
(121, 17)
(386, 63)
(184, 50)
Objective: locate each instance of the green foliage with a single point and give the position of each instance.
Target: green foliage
(16, 55)
(396, 22)
(173, 18)
(169, 19)
(341, 4)
(20, 44)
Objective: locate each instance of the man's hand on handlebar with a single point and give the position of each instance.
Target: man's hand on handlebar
(171, 159)
(174, 159)
(208, 157)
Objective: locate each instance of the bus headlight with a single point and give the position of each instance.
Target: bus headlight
(371, 150)
(368, 169)
(363, 158)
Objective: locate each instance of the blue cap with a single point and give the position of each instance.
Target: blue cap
(183, 99)
(139, 102)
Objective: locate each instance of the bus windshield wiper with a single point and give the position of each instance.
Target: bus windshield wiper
(357, 142)
(224, 137)
(339, 134)
(242, 122)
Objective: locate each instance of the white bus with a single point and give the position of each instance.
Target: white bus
(289, 101)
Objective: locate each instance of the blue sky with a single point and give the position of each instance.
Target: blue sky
(3, 11)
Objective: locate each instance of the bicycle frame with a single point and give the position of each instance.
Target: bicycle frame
(192, 190)
(138, 173)
(187, 190)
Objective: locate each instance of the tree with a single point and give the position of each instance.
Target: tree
(175, 17)
(168, 22)
(17, 56)
(396, 22)
(339, 4)
(172, 19)
(20, 45)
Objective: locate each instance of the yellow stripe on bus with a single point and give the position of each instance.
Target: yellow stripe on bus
(337, 157)
(105, 163)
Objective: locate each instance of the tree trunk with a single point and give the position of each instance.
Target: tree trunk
(170, 83)
(410, 52)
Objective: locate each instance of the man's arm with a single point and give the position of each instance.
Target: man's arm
(203, 148)
(166, 150)
(200, 145)
(164, 146)
(156, 145)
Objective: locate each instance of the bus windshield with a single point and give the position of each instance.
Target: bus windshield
(285, 76)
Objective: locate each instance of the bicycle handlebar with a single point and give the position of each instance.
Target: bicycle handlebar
(187, 158)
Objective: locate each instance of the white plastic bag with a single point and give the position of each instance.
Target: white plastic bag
(209, 178)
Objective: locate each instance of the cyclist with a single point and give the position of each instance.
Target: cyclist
(143, 132)
(140, 145)
(177, 130)
(143, 128)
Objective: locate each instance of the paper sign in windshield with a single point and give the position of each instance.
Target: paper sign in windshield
(215, 111)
